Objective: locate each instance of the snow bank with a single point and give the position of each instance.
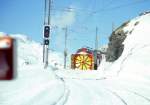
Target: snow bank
(33, 84)
(134, 60)
(31, 53)
(36, 86)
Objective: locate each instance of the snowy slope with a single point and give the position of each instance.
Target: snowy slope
(130, 74)
(30, 53)
(31, 87)
(33, 84)
(135, 57)
(123, 82)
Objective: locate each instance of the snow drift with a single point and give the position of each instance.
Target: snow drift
(33, 82)
(125, 81)
(31, 52)
(134, 60)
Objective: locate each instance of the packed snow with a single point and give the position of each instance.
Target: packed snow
(123, 82)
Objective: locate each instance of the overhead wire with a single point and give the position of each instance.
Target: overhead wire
(91, 12)
(110, 2)
(89, 16)
(110, 9)
(120, 6)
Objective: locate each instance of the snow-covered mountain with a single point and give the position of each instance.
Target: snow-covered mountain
(32, 82)
(123, 82)
(30, 53)
(135, 57)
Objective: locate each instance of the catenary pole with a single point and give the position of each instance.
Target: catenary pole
(65, 49)
(96, 49)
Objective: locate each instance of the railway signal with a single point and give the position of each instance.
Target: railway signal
(46, 42)
(47, 31)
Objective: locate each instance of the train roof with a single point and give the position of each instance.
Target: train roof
(84, 50)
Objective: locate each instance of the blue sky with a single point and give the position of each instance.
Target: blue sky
(80, 16)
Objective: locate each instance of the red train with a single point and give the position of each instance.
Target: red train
(86, 59)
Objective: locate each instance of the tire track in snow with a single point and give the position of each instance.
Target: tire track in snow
(130, 53)
(64, 97)
(139, 95)
(108, 91)
(42, 93)
(112, 93)
(119, 97)
(92, 92)
(130, 92)
(83, 90)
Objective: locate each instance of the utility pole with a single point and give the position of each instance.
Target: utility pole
(47, 31)
(96, 39)
(96, 49)
(65, 49)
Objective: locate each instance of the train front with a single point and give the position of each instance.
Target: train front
(83, 59)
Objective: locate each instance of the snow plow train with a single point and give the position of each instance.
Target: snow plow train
(85, 59)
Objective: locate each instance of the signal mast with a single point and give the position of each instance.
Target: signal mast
(47, 31)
